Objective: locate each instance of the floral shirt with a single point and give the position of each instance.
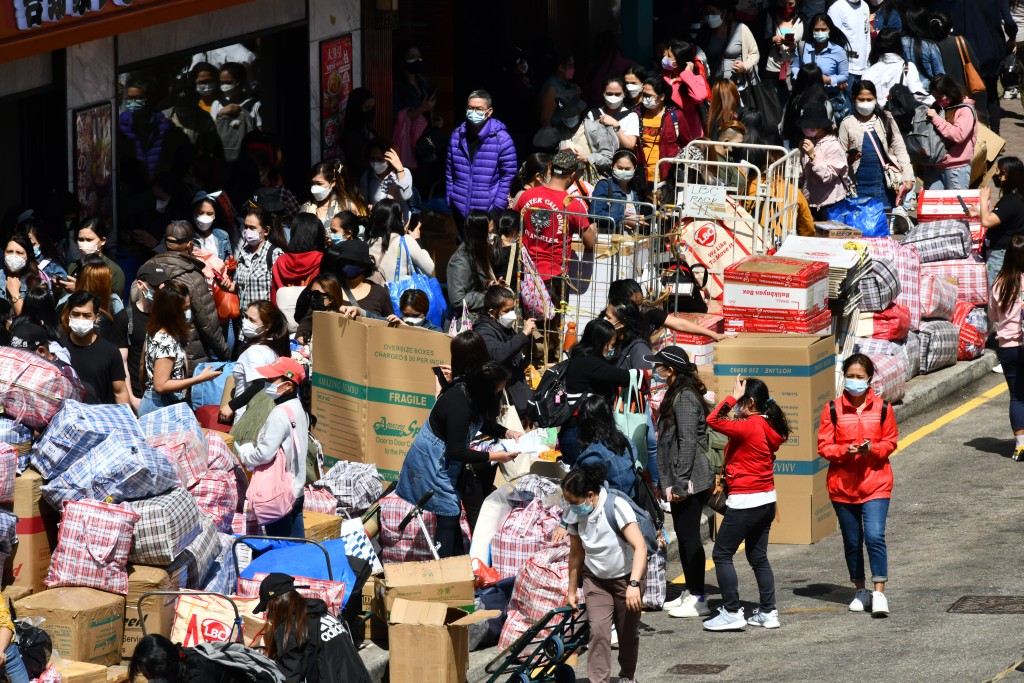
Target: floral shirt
(163, 345)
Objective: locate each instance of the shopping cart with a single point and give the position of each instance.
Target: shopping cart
(542, 652)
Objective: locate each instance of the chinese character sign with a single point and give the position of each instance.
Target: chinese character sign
(94, 165)
(30, 14)
(335, 87)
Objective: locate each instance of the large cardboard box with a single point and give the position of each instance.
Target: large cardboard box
(37, 532)
(448, 581)
(321, 527)
(804, 517)
(85, 624)
(373, 388)
(429, 641)
(800, 373)
(375, 628)
(157, 610)
(81, 672)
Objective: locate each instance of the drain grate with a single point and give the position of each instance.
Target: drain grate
(697, 669)
(988, 604)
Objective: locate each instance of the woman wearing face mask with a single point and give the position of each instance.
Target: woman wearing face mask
(682, 69)
(358, 130)
(331, 192)
(394, 244)
(608, 558)
(440, 452)
(634, 78)
(353, 265)
(615, 115)
(256, 257)
(91, 238)
(889, 66)
(729, 45)
(782, 26)
(414, 305)
(497, 326)
(824, 160)
(470, 272)
(857, 434)
(264, 333)
(957, 124)
(507, 230)
(48, 257)
(555, 87)
(209, 238)
(234, 100)
(624, 185)
(324, 293)
(1006, 220)
(166, 374)
(285, 434)
(809, 86)
(387, 177)
(873, 143)
(21, 270)
(659, 120)
(826, 49)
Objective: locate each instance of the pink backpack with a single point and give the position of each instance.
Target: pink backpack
(270, 490)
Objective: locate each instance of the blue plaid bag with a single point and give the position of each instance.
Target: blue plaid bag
(174, 418)
(14, 433)
(77, 429)
(8, 535)
(120, 468)
(222, 578)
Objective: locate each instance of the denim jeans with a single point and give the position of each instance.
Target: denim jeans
(15, 666)
(291, 525)
(958, 178)
(569, 444)
(750, 527)
(993, 264)
(652, 449)
(863, 524)
(153, 401)
(1011, 358)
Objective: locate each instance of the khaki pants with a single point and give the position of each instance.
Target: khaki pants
(606, 604)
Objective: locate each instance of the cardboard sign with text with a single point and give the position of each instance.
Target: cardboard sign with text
(209, 619)
(373, 388)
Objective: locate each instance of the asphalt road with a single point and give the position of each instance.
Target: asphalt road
(954, 531)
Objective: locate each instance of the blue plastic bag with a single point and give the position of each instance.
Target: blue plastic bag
(301, 559)
(210, 393)
(866, 214)
(416, 280)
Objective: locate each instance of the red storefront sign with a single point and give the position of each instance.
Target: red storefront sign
(335, 87)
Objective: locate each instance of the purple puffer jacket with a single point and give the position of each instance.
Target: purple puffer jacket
(484, 182)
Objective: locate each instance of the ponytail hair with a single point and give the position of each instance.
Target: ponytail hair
(584, 480)
(757, 391)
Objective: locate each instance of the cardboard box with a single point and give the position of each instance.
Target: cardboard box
(429, 641)
(448, 581)
(209, 618)
(37, 532)
(833, 230)
(373, 388)
(800, 373)
(157, 611)
(819, 324)
(81, 672)
(85, 624)
(800, 476)
(804, 518)
(375, 628)
(321, 527)
(117, 674)
(15, 593)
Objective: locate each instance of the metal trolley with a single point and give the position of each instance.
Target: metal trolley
(542, 652)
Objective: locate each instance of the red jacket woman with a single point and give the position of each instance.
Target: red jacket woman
(750, 453)
(859, 477)
(661, 131)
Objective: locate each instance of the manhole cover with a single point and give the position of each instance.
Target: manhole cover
(697, 669)
(988, 604)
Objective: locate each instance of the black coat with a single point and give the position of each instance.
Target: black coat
(506, 347)
(329, 655)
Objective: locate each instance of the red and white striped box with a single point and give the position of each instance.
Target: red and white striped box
(819, 324)
(938, 205)
(776, 288)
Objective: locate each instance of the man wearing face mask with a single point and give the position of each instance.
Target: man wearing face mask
(481, 161)
(97, 361)
(139, 305)
(143, 132)
(177, 263)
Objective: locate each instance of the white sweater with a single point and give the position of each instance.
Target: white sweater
(277, 434)
(852, 20)
(886, 72)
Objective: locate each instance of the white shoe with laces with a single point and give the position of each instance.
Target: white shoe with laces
(879, 604)
(692, 606)
(678, 602)
(764, 619)
(861, 601)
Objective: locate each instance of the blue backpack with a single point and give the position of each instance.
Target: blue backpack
(643, 519)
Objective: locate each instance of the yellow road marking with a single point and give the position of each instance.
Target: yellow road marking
(908, 440)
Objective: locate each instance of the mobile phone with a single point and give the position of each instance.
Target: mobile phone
(963, 205)
(867, 442)
(414, 220)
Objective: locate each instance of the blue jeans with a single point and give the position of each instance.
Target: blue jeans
(1011, 358)
(15, 667)
(993, 264)
(291, 525)
(152, 401)
(958, 178)
(569, 444)
(863, 524)
(652, 449)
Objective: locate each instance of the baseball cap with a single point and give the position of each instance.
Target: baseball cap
(29, 336)
(672, 356)
(154, 277)
(565, 163)
(273, 585)
(289, 368)
(178, 232)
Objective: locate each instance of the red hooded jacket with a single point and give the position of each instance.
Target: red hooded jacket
(294, 270)
(858, 478)
(750, 453)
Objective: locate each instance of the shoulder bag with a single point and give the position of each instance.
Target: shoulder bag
(417, 280)
(270, 490)
(972, 78)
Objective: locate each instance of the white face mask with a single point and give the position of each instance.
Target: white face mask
(866, 108)
(650, 102)
(188, 315)
(161, 205)
(507, 319)
(88, 248)
(634, 89)
(250, 330)
(204, 221)
(415, 321)
(613, 101)
(715, 20)
(80, 327)
(252, 237)
(14, 263)
(379, 166)
(319, 192)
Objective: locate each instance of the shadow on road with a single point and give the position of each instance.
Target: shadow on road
(990, 444)
(826, 592)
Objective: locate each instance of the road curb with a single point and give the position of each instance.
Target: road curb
(924, 391)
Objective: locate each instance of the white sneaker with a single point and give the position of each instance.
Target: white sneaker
(665, 507)
(615, 638)
(998, 368)
(726, 621)
(764, 619)
(861, 601)
(692, 606)
(879, 604)
(678, 602)
(1011, 94)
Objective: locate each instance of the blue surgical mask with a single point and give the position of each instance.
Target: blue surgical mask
(135, 105)
(188, 315)
(856, 387)
(271, 390)
(582, 509)
(149, 295)
(37, 251)
(475, 117)
(337, 237)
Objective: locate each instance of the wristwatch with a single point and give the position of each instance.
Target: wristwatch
(634, 584)
(616, 128)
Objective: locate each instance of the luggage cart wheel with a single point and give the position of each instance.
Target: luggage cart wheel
(519, 678)
(554, 648)
(565, 674)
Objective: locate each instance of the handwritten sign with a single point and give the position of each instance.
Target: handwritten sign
(704, 201)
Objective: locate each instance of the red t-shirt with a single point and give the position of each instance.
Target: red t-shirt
(544, 233)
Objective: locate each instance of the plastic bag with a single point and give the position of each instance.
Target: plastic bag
(863, 213)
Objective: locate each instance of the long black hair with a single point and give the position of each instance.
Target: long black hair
(307, 234)
(478, 248)
(40, 308)
(888, 41)
(1014, 170)
(481, 383)
(584, 480)
(385, 220)
(468, 351)
(595, 424)
(632, 321)
(155, 657)
(596, 336)
(506, 224)
(809, 86)
(861, 86)
(757, 391)
(835, 36)
(685, 380)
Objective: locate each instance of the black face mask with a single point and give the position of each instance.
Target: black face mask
(318, 305)
(414, 67)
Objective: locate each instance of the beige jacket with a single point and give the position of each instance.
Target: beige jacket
(851, 136)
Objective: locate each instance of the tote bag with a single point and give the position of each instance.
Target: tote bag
(270, 490)
(417, 280)
(630, 416)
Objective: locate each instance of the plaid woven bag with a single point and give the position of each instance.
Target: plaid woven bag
(541, 585)
(356, 485)
(911, 350)
(331, 592)
(524, 533)
(167, 525)
(320, 500)
(8, 534)
(908, 266)
(880, 287)
(970, 276)
(938, 298)
(219, 455)
(657, 579)
(201, 553)
(92, 546)
(940, 240)
(15, 433)
(875, 347)
(890, 379)
(221, 577)
(116, 470)
(409, 545)
(186, 451)
(76, 430)
(32, 389)
(940, 341)
(173, 418)
(357, 543)
(216, 494)
(8, 471)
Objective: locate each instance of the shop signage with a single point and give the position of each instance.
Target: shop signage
(335, 87)
(94, 160)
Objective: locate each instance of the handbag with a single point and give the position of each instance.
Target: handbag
(763, 99)
(892, 173)
(972, 78)
(417, 280)
(719, 494)
(842, 106)
(461, 323)
(509, 419)
(537, 302)
(270, 490)
(631, 417)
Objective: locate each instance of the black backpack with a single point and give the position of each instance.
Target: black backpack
(902, 104)
(552, 405)
(835, 416)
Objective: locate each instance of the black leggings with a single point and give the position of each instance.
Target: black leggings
(449, 536)
(686, 518)
(751, 527)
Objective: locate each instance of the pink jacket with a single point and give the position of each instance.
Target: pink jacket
(823, 177)
(688, 91)
(959, 135)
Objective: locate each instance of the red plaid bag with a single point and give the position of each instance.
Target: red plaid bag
(908, 269)
(972, 341)
(219, 455)
(8, 471)
(970, 275)
(331, 592)
(319, 500)
(245, 524)
(938, 298)
(32, 389)
(408, 546)
(216, 495)
(890, 379)
(186, 450)
(525, 532)
(540, 587)
(92, 546)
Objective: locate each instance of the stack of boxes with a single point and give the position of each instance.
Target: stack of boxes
(777, 294)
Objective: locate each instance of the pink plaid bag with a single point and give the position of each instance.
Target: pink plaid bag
(186, 450)
(536, 298)
(8, 471)
(219, 455)
(245, 524)
(319, 500)
(525, 532)
(331, 592)
(938, 298)
(32, 389)
(972, 280)
(408, 546)
(908, 269)
(890, 379)
(92, 546)
(216, 494)
(541, 585)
